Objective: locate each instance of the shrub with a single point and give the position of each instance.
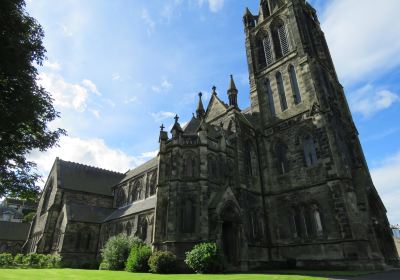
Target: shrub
(19, 259)
(138, 258)
(104, 266)
(162, 262)
(117, 250)
(54, 261)
(6, 260)
(205, 258)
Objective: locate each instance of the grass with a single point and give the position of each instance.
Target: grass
(72, 274)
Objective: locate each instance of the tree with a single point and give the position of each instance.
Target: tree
(25, 107)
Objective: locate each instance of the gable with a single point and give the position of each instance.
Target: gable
(215, 108)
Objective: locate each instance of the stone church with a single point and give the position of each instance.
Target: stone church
(281, 183)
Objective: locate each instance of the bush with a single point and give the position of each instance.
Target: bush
(117, 250)
(41, 261)
(104, 266)
(205, 258)
(19, 259)
(29, 217)
(6, 260)
(138, 258)
(162, 262)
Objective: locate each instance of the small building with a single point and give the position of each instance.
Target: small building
(13, 236)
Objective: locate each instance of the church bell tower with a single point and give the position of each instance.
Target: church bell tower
(318, 188)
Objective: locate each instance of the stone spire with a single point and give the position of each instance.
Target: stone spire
(232, 93)
(200, 112)
(248, 18)
(176, 129)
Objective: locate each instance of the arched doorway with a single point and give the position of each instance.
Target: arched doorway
(230, 234)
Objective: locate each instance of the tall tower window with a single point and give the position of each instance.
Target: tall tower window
(279, 37)
(281, 151)
(268, 50)
(310, 153)
(270, 97)
(294, 84)
(281, 90)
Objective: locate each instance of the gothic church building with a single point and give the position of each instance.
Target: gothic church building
(281, 183)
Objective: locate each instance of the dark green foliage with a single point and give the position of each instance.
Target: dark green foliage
(29, 217)
(6, 260)
(19, 259)
(116, 251)
(162, 262)
(138, 258)
(205, 258)
(26, 108)
(31, 260)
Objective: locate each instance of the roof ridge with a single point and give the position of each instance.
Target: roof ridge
(81, 165)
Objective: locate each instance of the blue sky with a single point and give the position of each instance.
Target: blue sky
(118, 69)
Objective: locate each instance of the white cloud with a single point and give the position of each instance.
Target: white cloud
(67, 95)
(93, 152)
(132, 99)
(160, 116)
(95, 113)
(164, 86)
(151, 25)
(386, 180)
(362, 36)
(214, 5)
(91, 86)
(151, 154)
(116, 77)
(369, 101)
(55, 66)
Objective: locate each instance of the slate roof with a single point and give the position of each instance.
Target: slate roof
(136, 207)
(14, 231)
(192, 126)
(140, 169)
(85, 213)
(79, 177)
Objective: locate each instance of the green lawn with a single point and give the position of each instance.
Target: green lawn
(70, 274)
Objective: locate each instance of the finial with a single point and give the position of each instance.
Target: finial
(162, 127)
(176, 118)
(193, 115)
(200, 94)
(200, 108)
(214, 90)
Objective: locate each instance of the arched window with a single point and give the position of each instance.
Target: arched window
(136, 191)
(189, 166)
(121, 198)
(270, 97)
(212, 167)
(281, 90)
(153, 182)
(88, 237)
(279, 38)
(310, 154)
(142, 228)
(265, 9)
(128, 229)
(294, 84)
(281, 156)
(188, 216)
(268, 50)
(316, 216)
